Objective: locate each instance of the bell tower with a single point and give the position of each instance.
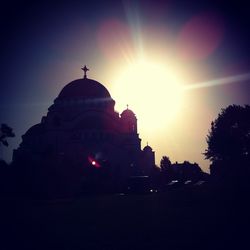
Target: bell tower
(129, 122)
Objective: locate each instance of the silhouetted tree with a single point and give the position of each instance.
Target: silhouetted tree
(187, 171)
(5, 169)
(229, 144)
(165, 163)
(5, 132)
(166, 169)
(191, 171)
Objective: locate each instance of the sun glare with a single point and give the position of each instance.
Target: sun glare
(152, 91)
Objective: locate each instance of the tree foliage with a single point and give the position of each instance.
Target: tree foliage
(187, 171)
(5, 131)
(229, 141)
(180, 171)
(165, 163)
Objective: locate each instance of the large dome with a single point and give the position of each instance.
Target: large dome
(85, 89)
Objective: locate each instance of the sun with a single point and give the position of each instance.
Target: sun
(152, 90)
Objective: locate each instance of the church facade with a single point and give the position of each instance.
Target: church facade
(83, 133)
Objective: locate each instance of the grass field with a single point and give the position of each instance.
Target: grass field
(176, 219)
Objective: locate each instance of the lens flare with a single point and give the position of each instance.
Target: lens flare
(93, 162)
(114, 39)
(220, 81)
(200, 36)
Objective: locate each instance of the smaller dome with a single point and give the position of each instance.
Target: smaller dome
(147, 148)
(128, 113)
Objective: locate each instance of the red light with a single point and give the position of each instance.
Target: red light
(93, 162)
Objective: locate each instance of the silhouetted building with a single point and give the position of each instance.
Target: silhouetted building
(82, 130)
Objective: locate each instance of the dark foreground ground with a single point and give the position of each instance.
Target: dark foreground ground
(198, 218)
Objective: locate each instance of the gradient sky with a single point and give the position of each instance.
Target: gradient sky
(206, 45)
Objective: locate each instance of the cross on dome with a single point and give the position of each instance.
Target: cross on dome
(85, 69)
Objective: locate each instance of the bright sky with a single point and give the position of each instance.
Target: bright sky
(175, 67)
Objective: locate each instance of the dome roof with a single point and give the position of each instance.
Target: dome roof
(84, 88)
(128, 112)
(147, 148)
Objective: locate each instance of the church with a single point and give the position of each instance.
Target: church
(82, 137)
